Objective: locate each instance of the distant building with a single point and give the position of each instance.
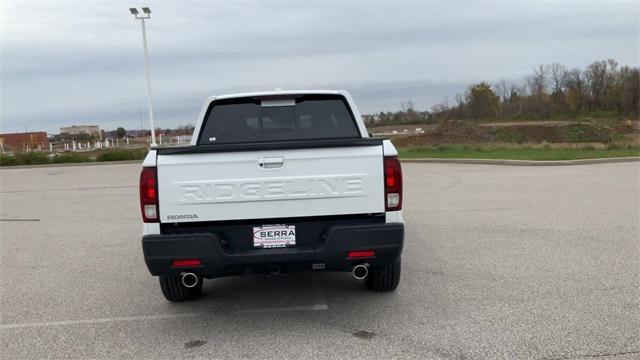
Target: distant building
(83, 131)
(24, 141)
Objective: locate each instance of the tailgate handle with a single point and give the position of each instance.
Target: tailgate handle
(272, 162)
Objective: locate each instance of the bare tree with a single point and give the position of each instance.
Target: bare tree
(407, 106)
(576, 91)
(600, 76)
(558, 78)
(538, 81)
(516, 94)
(438, 108)
(502, 90)
(558, 75)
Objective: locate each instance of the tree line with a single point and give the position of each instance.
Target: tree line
(603, 88)
(407, 115)
(553, 90)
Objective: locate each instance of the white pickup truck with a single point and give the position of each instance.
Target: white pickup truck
(273, 182)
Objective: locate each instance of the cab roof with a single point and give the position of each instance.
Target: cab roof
(278, 93)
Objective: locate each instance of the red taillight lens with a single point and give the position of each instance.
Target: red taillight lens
(186, 263)
(392, 183)
(361, 254)
(149, 194)
(390, 176)
(150, 191)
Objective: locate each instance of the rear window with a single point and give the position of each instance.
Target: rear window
(248, 120)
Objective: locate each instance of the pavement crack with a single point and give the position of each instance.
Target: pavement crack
(194, 344)
(19, 219)
(595, 356)
(69, 189)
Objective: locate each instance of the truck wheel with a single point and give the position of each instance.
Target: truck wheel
(383, 277)
(173, 290)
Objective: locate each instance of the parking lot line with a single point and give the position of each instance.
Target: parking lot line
(315, 307)
(97, 321)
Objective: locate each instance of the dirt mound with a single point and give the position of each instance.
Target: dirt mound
(468, 132)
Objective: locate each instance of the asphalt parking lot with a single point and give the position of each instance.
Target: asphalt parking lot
(499, 262)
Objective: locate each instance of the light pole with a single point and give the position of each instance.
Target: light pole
(142, 18)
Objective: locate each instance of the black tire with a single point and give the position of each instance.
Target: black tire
(174, 291)
(383, 278)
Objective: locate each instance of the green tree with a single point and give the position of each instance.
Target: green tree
(121, 132)
(482, 102)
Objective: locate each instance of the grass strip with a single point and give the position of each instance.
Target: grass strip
(38, 158)
(470, 152)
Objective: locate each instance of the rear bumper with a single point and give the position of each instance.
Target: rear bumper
(385, 239)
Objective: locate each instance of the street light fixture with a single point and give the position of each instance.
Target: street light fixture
(147, 15)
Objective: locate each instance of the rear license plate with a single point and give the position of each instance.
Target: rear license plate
(274, 236)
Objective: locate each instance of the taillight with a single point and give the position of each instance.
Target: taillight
(149, 194)
(186, 263)
(361, 254)
(392, 183)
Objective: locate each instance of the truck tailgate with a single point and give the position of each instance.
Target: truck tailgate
(215, 186)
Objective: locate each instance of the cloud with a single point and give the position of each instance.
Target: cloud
(66, 62)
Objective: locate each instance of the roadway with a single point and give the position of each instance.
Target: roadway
(499, 262)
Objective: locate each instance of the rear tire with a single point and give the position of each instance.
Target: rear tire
(174, 291)
(383, 278)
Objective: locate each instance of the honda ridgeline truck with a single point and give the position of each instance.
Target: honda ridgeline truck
(273, 182)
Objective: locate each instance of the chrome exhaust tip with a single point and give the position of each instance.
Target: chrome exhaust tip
(189, 280)
(360, 271)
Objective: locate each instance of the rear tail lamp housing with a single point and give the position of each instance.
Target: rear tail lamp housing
(392, 183)
(149, 194)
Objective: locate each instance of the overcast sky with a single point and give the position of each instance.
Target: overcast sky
(82, 63)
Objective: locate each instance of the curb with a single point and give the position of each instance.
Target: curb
(522, 162)
(419, 160)
(89, 163)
